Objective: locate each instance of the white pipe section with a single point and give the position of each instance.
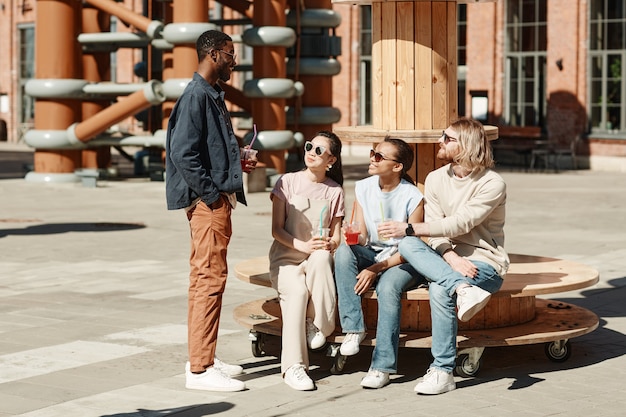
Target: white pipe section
(112, 89)
(174, 87)
(55, 88)
(269, 36)
(269, 88)
(185, 33)
(114, 40)
(271, 140)
(53, 139)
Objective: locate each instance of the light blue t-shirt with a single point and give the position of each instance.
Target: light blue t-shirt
(397, 205)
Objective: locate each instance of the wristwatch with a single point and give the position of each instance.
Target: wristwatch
(409, 230)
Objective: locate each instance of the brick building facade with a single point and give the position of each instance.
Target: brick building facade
(561, 105)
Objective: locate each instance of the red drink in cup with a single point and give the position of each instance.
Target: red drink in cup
(352, 233)
(247, 161)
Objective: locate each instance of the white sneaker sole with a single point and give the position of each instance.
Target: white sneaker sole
(369, 385)
(470, 313)
(428, 391)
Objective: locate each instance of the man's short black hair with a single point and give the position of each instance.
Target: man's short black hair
(210, 40)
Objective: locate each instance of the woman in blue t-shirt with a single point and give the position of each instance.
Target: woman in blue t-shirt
(388, 194)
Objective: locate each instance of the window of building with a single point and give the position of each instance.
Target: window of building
(462, 55)
(26, 65)
(525, 59)
(365, 66)
(607, 51)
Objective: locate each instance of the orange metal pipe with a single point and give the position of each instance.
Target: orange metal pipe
(244, 7)
(168, 66)
(269, 62)
(57, 52)
(182, 62)
(121, 12)
(96, 68)
(98, 123)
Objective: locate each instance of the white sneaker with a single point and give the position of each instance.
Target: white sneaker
(212, 380)
(375, 379)
(297, 378)
(227, 368)
(435, 382)
(314, 338)
(470, 300)
(350, 344)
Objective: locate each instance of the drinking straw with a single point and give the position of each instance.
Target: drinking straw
(321, 221)
(253, 137)
(382, 212)
(353, 210)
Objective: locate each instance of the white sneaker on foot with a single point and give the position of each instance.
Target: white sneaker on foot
(435, 382)
(314, 337)
(350, 344)
(375, 379)
(212, 380)
(227, 368)
(297, 378)
(470, 300)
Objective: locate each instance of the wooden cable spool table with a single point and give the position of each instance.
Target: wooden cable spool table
(513, 316)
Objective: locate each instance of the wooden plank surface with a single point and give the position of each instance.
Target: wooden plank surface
(369, 134)
(528, 276)
(423, 66)
(389, 67)
(405, 88)
(553, 321)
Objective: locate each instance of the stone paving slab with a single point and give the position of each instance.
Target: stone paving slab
(93, 310)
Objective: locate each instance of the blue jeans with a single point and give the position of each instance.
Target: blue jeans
(349, 260)
(443, 282)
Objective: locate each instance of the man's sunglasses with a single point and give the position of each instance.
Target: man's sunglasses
(380, 157)
(447, 138)
(230, 54)
(319, 150)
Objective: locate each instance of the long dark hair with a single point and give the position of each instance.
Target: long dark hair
(404, 155)
(335, 173)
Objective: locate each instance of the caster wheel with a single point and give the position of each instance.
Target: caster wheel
(257, 346)
(558, 351)
(339, 361)
(465, 368)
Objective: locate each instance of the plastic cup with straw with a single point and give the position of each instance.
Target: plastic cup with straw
(322, 221)
(248, 153)
(352, 229)
(382, 220)
(253, 136)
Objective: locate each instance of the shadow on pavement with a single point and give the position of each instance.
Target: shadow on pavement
(56, 228)
(197, 410)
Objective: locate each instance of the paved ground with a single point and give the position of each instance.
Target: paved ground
(93, 305)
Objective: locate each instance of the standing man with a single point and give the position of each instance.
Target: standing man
(465, 259)
(204, 177)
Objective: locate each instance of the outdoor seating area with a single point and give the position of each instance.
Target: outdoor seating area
(513, 316)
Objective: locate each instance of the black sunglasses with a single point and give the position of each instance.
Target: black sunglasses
(447, 138)
(380, 157)
(319, 150)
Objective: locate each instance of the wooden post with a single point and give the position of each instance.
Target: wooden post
(414, 81)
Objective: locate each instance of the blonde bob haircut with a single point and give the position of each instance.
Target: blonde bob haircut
(475, 151)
